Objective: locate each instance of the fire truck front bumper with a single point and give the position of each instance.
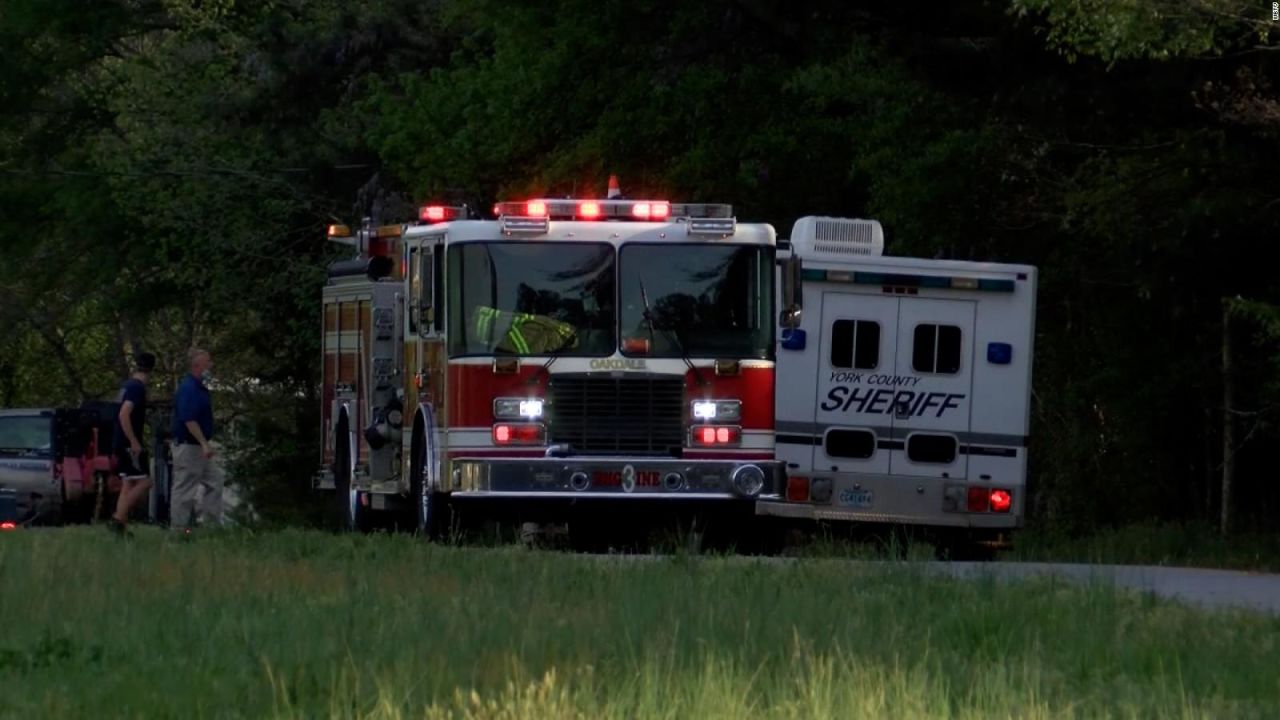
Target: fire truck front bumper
(603, 478)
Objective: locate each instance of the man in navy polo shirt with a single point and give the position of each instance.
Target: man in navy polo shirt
(126, 441)
(193, 469)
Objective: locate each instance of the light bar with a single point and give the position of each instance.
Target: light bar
(611, 209)
(917, 281)
(440, 213)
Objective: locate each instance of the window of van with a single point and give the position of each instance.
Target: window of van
(936, 349)
(927, 448)
(855, 344)
(857, 444)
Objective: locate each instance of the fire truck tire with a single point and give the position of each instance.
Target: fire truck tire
(431, 510)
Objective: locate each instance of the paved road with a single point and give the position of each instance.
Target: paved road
(1218, 589)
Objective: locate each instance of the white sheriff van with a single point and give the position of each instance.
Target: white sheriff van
(903, 384)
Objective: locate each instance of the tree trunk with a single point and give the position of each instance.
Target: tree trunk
(1228, 422)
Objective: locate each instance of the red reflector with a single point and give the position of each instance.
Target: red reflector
(431, 213)
(536, 208)
(635, 346)
(589, 210)
(1001, 501)
(710, 435)
(660, 211)
(517, 434)
(798, 489)
(977, 500)
(6, 525)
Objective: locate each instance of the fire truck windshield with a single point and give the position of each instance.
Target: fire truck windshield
(531, 298)
(25, 435)
(714, 300)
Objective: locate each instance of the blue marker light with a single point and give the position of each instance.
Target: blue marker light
(793, 339)
(999, 353)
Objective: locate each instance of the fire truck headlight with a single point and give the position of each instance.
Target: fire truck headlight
(511, 408)
(531, 409)
(726, 410)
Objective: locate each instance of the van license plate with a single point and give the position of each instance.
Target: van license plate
(855, 498)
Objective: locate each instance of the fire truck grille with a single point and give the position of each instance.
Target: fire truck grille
(635, 414)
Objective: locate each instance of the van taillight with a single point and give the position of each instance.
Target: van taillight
(978, 500)
(798, 489)
(1001, 501)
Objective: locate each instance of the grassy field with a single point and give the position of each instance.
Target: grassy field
(1185, 545)
(298, 624)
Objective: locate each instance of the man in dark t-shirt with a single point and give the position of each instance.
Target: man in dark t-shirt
(131, 459)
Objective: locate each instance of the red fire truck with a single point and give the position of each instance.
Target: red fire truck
(561, 358)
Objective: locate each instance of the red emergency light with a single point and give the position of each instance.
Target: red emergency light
(519, 434)
(7, 525)
(716, 435)
(589, 210)
(438, 213)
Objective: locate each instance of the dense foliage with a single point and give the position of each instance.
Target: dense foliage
(167, 166)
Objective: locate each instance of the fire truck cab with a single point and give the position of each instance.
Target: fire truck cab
(908, 383)
(563, 356)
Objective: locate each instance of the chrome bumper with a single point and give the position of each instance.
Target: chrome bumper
(613, 477)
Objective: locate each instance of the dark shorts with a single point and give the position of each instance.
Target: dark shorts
(128, 469)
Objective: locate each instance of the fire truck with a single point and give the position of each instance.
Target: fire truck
(562, 357)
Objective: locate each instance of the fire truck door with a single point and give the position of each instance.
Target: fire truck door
(934, 370)
(855, 357)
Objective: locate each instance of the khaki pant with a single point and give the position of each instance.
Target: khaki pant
(193, 473)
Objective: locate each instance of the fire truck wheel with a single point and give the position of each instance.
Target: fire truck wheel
(430, 509)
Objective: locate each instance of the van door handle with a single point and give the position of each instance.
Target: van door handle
(902, 409)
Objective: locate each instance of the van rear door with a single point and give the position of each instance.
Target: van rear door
(858, 351)
(931, 413)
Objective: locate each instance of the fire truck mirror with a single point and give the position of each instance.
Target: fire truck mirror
(789, 319)
(792, 293)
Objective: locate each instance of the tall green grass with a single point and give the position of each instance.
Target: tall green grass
(308, 625)
(1193, 545)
